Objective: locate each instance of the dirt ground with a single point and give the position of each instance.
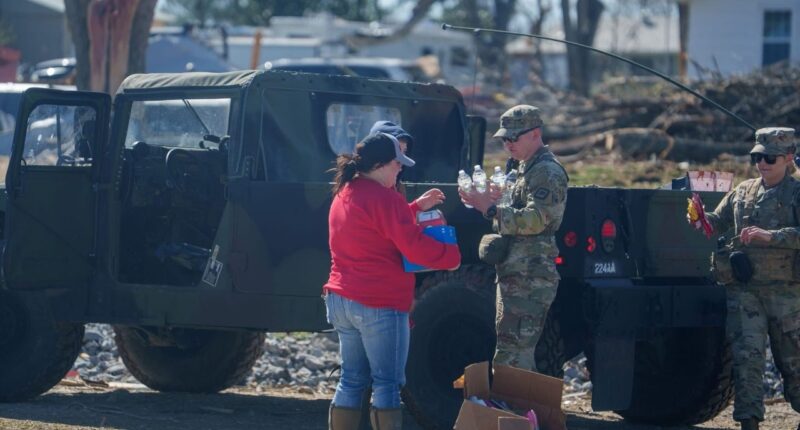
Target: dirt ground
(132, 407)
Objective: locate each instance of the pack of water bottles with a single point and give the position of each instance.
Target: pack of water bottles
(478, 182)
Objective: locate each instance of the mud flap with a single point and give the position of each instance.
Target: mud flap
(612, 383)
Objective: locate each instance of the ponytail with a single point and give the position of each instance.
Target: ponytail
(345, 170)
(371, 153)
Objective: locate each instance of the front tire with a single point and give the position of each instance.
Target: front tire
(453, 327)
(35, 350)
(205, 361)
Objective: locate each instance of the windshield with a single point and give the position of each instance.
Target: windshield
(178, 122)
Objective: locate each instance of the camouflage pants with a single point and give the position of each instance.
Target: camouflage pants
(755, 312)
(522, 305)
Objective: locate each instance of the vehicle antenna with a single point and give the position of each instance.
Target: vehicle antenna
(618, 57)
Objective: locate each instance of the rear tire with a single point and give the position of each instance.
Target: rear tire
(35, 350)
(453, 327)
(212, 361)
(682, 376)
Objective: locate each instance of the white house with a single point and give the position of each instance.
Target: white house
(739, 36)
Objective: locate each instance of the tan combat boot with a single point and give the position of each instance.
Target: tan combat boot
(386, 419)
(343, 418)
(749, 424)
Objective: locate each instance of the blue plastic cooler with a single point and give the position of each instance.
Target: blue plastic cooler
(442, 233)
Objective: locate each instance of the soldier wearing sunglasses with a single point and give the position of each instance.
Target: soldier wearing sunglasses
(527, 278)
(764, 214)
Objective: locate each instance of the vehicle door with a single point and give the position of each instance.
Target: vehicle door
(53, 185)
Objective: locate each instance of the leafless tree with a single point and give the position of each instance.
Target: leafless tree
(110, 38)
(582, 30)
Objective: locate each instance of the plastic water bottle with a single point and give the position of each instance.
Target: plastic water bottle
(498, 178)
(464, 183)
(479, 179)
(508, 188)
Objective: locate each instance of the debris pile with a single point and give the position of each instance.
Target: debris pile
(638, 116)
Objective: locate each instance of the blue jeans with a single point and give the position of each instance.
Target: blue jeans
(373, 344)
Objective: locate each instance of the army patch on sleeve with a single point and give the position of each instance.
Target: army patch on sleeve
(541, 193)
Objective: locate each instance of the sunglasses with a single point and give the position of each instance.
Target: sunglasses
(768, 158)
(515, 138)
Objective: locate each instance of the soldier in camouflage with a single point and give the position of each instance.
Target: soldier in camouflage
(764, 213)
(527, 279)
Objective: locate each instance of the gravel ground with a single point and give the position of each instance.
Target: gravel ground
(122, 407)
(290, 388)
(305, 362)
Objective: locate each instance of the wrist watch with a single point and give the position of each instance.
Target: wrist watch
(490, 212)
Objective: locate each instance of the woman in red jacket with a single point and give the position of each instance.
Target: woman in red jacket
(368, 295)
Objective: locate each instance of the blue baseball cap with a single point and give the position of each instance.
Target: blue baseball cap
(391, 128)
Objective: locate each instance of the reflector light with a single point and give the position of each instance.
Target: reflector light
(591, 245)
(608, 233)
(570, 239)
(609, 229)
(559, 260)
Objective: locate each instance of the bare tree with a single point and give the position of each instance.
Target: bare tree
(110, 38)
(537, 18)
(583, 30)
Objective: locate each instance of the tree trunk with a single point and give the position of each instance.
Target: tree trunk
(110, 38)
(578, 59)
(75, 11)
(683, 29)
(503, 11)
(140, 33)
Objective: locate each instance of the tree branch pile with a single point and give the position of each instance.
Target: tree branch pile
(640, 117)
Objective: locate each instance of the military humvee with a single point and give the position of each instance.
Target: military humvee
(195, 219)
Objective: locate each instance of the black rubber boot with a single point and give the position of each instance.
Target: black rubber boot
(343, 418)
(386, 419)
(749, 424)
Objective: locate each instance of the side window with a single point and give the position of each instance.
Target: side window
(60, 136)
(348, 124)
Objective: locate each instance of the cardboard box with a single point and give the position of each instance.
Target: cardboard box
(521, 389)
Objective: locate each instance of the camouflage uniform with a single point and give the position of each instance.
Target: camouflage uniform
(527, 279)
(770, 303)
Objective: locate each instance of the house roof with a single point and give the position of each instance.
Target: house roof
(620, 34)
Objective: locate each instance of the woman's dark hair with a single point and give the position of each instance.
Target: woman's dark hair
(371, 153)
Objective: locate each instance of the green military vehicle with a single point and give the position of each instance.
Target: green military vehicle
(194, 219)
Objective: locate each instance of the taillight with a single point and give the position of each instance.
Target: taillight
(608, 234)
(590, 244)
(570, 239)
(559, 260)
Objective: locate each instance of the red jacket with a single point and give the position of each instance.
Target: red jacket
(370, 227)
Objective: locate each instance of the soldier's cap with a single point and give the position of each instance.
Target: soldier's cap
(774, 141)
(389, 127)
(517, 120)
(384, 148)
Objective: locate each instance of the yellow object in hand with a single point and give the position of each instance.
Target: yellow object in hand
(692, 211)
